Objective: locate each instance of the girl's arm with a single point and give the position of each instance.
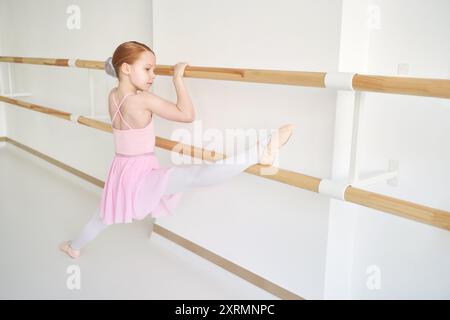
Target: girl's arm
(184, 102)
(182, 111)
(164, 108)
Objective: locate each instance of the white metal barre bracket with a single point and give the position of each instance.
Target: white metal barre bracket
(11, 94)
(339, 80)
(333, 188)
(72, 63)
(91, 93)
(390, 176)
(74, 117)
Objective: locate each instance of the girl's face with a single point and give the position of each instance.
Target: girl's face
(142, 71)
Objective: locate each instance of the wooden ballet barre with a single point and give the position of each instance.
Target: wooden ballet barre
(401, 208)
(427, 87)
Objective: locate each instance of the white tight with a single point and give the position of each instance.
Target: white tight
(90, 231)
(182, 178)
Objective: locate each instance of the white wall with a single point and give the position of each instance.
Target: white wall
(275, 230)
(38, 29)
(3, 6)
(412, 259)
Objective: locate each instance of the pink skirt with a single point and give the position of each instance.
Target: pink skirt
(134, 188)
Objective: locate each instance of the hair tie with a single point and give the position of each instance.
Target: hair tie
(109, 68)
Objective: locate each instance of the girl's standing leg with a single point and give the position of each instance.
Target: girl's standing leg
(87, 234)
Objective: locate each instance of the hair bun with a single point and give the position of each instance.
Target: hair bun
(109, 68)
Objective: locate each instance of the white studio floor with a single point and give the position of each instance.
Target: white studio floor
(41, 205)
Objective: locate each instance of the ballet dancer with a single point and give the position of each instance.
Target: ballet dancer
(136, 185)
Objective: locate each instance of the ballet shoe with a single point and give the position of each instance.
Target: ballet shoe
(65, 247)
(277, 140)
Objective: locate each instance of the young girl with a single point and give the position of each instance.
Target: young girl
(136, 185)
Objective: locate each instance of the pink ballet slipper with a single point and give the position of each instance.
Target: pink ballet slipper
(65, 247)
(277, 140)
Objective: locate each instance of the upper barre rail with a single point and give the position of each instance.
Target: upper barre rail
(427, 87)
